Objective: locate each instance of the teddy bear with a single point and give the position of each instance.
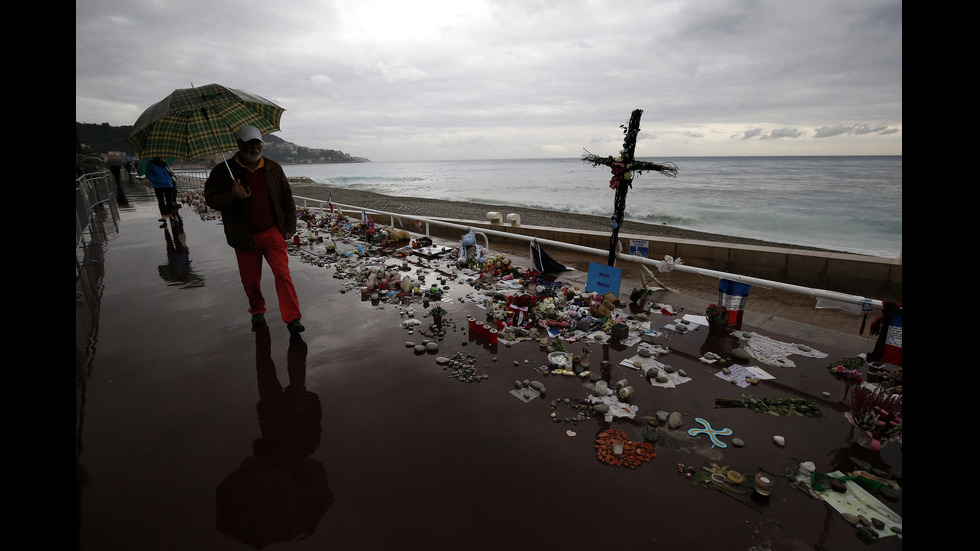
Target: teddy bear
(469, 251)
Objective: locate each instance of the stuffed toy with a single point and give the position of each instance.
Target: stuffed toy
(469, 251)
(393, 234)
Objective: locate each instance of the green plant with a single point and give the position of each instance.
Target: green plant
(437, 312)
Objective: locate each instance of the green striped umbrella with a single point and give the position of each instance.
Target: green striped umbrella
(194, 122)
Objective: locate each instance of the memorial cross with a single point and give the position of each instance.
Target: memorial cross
(623, 169)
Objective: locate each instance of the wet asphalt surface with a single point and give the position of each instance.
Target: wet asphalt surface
(194, 432)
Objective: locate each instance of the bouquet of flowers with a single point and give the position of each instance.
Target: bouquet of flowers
(716, 314)
(877, 414)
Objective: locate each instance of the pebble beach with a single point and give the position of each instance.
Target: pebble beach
(690, 289)
(304, 187)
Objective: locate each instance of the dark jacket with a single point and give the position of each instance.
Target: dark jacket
(234, 212)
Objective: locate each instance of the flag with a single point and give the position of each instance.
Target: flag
(732, 295)
(330, 202)
(892, 353)
(364, 215)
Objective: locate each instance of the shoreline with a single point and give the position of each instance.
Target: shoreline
(440, 208)
(691, 290)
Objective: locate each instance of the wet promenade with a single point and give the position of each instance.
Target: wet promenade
(195, 433)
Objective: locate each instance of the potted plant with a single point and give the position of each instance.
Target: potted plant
(437, 314)
(716, 314)
(876, 416)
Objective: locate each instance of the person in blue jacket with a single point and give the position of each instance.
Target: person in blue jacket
(162, 178)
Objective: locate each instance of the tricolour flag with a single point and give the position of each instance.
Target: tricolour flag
(732, 295)
(892, 354)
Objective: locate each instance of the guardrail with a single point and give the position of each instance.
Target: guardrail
(190, 180)
(93, 191)
(662, 265)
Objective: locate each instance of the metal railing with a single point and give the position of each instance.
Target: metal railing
(93, 192)
(191, 181)
(663, 265)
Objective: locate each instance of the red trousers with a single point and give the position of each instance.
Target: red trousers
(271, 245)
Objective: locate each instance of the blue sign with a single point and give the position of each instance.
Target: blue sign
(640, 247)
(603, 279)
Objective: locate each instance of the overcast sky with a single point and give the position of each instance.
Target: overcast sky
(398, 80)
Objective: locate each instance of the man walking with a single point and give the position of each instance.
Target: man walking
(259, 214)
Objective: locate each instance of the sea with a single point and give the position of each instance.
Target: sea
(844, 203)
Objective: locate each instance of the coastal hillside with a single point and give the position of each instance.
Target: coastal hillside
(100, 139)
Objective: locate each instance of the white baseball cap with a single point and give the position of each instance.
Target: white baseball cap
(249, 133)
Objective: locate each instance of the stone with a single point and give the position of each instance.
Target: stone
(409, 344)
(779, 441)
(889, 493)
(537, 385)
(600, 408)
(740, 354)
(804, 348)
(432, 347)
(852, 519)
(878, 523)
(661, 416)
(838, 486)
(669, 369)
(442, 360)
(864, 521)
(662, 379)
(866, 535)
(682, 373)
(644, 352)
(738, 442)
(675, 420)
(726, 371)
(897, 529)
(861, 464)
(420, 348)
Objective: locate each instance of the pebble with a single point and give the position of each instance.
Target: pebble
(851, 518)
(740, 354)
(669, 369)
(675, 420)
(738, 442)
(889, 493)
(442, 360)
(878, 523)
(804, 348)
(432, 347)
(682, 373)
(420, 348)
(644, 352)
(409, 344)
(861, 464)
(866, 534)
(779, 440)
(864, 521)
(838, 486)
(600, 408)
(726, 371)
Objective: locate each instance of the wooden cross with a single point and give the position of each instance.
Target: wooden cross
(623, 169)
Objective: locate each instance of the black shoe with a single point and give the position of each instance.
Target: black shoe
(258, 320)
(295, 327)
